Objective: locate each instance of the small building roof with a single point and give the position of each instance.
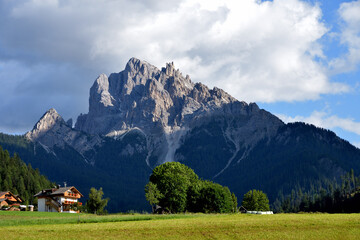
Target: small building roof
(3, 193)
(19, 198)
(16, 197)
(242, 209)
(56, 191)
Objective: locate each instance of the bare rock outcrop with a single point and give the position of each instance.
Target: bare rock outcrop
(51, 130)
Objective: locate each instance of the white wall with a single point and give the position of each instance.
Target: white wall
(43, 208)
(68, 199)
(41, 204)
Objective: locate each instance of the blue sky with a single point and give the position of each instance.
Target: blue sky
(338, 112)
(296, 59)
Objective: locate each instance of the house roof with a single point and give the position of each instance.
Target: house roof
(10, 197)
(3, 193)
(56, 191)
(19, 198)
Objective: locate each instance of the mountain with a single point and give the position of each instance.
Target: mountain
(165, 106)
(143, 116)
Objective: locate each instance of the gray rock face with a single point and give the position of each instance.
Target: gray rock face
(51, 130)
(144, 96)
(47, 122)
(165, 105)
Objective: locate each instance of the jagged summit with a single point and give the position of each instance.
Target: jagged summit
(165, 106)
(142, 95)
(46, 122)
(136, 65)
(52, 130)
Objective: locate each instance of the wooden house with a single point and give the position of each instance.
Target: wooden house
(62, 199)
(8, 199)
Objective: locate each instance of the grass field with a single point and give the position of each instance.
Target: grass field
(34, 225)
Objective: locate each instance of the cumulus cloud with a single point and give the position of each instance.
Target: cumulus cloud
(325, 120)
(349, 13)
(256, 50)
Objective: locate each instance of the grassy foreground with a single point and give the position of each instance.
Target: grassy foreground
(27, 225)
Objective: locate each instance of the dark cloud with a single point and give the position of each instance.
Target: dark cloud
(30, 91)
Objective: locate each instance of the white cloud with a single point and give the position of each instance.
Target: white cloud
(257, 51)
(349, 13)
(325, 120)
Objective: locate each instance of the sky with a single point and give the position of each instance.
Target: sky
(298, 59)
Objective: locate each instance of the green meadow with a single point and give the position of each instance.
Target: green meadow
(35, 225)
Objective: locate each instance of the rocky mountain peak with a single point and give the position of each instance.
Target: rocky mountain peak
(164, 105)
(170, 69)
(46, 122)
(52, 130)
(99, 92)
(51, 113)
(138, 71)
(142, 95)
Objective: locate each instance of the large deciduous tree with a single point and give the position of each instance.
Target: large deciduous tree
(209, 197)
(256, 200)
(173, 180)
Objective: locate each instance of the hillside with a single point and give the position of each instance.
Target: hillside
(19, 178)
(123, 184)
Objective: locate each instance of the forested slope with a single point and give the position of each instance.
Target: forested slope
(19, 178)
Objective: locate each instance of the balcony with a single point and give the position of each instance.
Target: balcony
(72, 195)
(71, 202)
(69, 206)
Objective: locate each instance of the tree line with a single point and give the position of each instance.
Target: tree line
(19, 178)
(329, 196)
(176, 188)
